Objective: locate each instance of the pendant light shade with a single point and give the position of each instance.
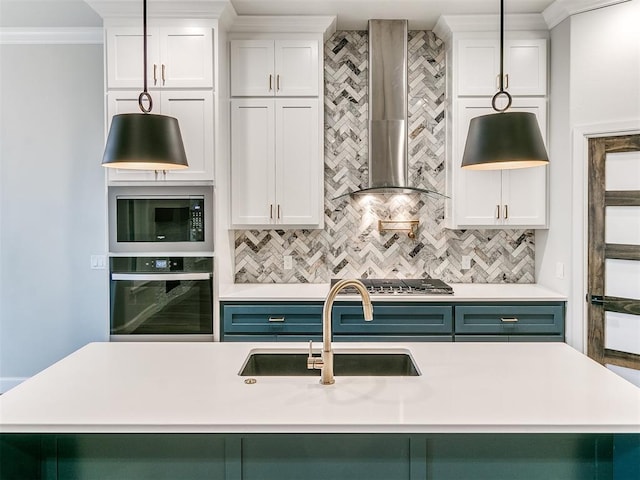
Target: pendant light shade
(504, 141)
(143, 141)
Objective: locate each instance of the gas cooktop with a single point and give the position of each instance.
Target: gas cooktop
(417, 286)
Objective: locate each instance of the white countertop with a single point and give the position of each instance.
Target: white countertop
(463, 292)
(195, 387)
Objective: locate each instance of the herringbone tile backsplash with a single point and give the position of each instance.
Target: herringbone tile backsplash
(350, 244)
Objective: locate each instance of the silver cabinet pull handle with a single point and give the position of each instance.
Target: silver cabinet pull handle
(163, 74)
(160, 277)
(278, 214)
(155, 74)
(506, 81)
(271, 211)
(276, 319)
(506, 212)
(509, 319)
(278, 82)
(497, 211)
(270, 82)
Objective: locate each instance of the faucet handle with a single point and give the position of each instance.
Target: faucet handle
(313, 363)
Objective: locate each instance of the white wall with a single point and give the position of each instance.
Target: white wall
(599, 94)
(52, 205)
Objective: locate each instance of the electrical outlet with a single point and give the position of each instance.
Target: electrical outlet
(98, 262)
(466, 262)
(288, 262)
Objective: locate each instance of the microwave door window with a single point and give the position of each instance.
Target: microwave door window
(171, 224)
(145, 307)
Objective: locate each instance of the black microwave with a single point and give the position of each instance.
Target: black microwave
(161, 219)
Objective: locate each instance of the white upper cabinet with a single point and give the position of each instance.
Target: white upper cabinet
(267, 68)
(276, 164)
(478, 66)
(195, 113)
(178, 57)
(497, 198)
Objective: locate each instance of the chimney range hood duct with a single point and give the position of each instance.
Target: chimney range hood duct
(388, 117)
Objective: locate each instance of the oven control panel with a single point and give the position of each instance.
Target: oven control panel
(160, 264)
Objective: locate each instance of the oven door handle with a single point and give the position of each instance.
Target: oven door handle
(160, 276)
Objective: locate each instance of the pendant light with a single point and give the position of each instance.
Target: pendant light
(144, 141)
(504, 140)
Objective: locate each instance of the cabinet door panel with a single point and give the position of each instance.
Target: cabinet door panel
(252, 161)
(478, 65)
(252, 68)
(194, 111)
(393, 319)
(296, 68)
(529, 319)
(186, 56)
(124, 57)
(526, 65)
(480, 197)
(524, 190)
(127, 102)
(299, 168)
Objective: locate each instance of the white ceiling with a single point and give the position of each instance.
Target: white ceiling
(351, 14)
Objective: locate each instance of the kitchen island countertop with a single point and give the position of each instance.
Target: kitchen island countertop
(195, 388)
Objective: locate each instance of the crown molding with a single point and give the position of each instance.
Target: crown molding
(51, 36)
(449, 24)
(326, 25)
(206, 9)
(562, 9)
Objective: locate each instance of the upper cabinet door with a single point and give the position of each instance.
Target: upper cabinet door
(296, 67)
(194, 111)
(125, 57)
(252, 68)
(186, 57)
(298, 163)
(498, 198)
(253, 162)
(180, 57)
(525, 67)
(267, 68)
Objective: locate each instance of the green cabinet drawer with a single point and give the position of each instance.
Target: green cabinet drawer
(271, 318)
(393, 318)
(541, 318)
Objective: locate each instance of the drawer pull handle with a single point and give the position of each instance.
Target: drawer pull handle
(509, 319)
(276, 319)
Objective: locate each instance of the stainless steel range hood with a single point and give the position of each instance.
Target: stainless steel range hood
(388, 117)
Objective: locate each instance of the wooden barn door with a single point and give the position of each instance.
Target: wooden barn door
(614, 251)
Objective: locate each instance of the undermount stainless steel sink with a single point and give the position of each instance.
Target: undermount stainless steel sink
(396, 364)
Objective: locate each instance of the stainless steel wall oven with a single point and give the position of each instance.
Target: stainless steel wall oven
(161, 298)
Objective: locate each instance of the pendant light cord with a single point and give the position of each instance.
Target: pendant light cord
(501, 90)
(145, 93)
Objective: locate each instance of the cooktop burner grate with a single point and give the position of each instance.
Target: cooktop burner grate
(415, 286)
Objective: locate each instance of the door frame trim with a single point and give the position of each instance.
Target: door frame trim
(577, 330)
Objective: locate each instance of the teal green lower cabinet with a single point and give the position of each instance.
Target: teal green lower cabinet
(399, 321)
(515, 321)
(319, 456)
